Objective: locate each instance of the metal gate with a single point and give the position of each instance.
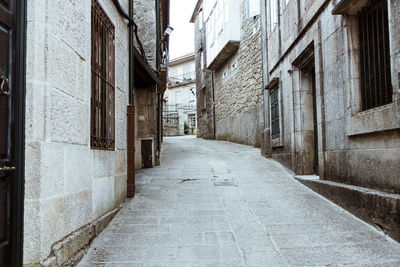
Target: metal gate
(12, 97)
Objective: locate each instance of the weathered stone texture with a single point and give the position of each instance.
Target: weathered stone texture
(204, 85)
(69, 250)
(239, 91)
(354, 147)
(171, 126)
(146, 121)
(62, 173)
(267, 219)
(145, 17)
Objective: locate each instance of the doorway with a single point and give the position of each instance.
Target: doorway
(12, 113)
(306, 124)
(309, 114)
(147, 153)
(315, 122)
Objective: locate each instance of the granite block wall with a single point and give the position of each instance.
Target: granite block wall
(355, 147)
(68, 184)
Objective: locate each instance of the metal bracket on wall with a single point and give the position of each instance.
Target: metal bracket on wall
(5, 169)
(4, 82)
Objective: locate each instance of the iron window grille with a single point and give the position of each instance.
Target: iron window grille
(376, 85)
(103, 80)
(275, 114)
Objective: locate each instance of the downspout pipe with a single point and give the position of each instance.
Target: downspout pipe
(158, 59)
(130, 135)
(130, 142)
(131, 58)
(266, 79)
(213, 105)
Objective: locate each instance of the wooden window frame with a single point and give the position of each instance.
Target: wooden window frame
(102, 131)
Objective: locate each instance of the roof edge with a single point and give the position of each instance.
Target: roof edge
(188, 57)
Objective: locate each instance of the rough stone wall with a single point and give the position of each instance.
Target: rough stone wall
(146, 98)
(146, 121)
(171, 126)
(204, 87)
(239, 92)
(360, 148)
(67, 184)
(145, 18)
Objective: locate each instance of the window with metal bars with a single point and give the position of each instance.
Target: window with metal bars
(275, 114)
(103, 80)
(376, 85)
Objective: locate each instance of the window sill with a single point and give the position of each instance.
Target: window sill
(374, 120)
(276, 142)
(349, 7)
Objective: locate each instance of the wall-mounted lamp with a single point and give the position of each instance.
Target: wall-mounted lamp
(168, 31)
(164, 54)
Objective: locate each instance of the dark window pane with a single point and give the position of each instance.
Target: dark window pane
(275, 121)
(103, 81)
(376, 86)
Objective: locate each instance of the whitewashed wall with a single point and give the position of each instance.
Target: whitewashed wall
(67, 183)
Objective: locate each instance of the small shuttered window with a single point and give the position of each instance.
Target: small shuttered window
(376, 85)
(275, 114)
(103, 80)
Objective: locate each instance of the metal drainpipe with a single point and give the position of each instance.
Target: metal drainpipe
(131, 58)
(158, 47)
(131, 111)
(213, 98)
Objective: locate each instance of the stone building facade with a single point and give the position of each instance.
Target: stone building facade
(180, 97)
(319, 120)
(68, 185)
(74, 184)
(152, 18)
(204, 78)
(235, 72)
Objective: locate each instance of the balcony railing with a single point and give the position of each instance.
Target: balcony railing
(182, 79)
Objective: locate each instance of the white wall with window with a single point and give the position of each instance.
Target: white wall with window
(222, 19)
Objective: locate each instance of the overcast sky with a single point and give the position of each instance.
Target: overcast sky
(182, 38)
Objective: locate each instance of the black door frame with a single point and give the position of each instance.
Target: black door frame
(20, 81)
(316, 137)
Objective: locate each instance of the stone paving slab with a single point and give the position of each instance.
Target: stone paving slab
(179, 217)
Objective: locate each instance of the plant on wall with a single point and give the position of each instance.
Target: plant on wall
(185, 128)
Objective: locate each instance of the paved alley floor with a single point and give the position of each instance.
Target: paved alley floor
(214, 203)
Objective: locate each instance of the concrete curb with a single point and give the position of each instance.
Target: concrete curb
(71, 249)
(378, 208)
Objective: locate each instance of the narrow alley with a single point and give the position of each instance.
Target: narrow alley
(214, 203)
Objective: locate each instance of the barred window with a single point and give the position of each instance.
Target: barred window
(275, 114)
(103, 80)
(376, 86)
